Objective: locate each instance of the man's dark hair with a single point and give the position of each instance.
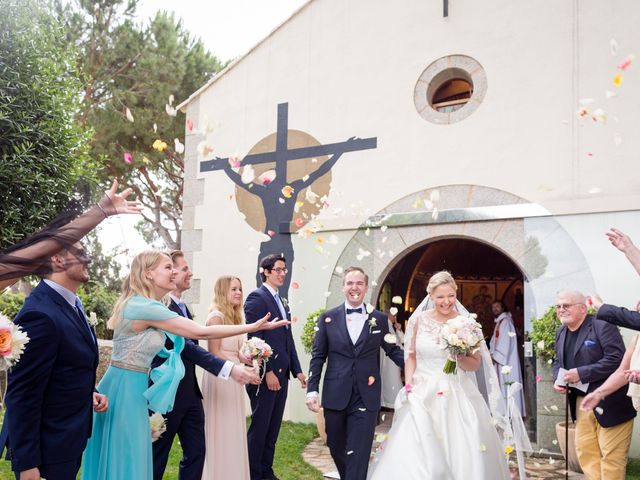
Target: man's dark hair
(355, 269)
(175, 254)
(268, 262)
(501, 303)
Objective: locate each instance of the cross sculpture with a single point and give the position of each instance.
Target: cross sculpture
(279, 213)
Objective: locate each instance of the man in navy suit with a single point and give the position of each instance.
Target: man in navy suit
(591, 350)
(51, 390)
(349, 338)
(269, 398)
(187, 417)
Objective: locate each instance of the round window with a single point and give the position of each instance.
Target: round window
(450, 89)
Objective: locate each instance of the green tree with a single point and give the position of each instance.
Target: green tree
(43, 151)
(133, 74)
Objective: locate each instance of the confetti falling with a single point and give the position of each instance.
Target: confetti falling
(295, 285)
(390, 338)
(626, 63)
(397, 300)
(190, 125)
(327, 320)
(159, 145)
(128, 114)
(128, 158)
(371, 380)
(393, 311)
(538, 378)
(178, 146)
(617, 80)
(287, 191)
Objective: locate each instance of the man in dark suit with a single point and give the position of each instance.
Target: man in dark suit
(51, 390)
(187, 417)
(591, 350)
(349, 338)
(269, 398)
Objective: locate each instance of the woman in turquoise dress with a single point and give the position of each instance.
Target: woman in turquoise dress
(120, 445)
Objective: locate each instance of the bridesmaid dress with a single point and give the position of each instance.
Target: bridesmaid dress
(120, 445)
(225, 420)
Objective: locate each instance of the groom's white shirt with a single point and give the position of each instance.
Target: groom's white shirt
(355, 321)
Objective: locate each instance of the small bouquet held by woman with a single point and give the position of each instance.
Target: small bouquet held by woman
(258, 351)
(460, 336)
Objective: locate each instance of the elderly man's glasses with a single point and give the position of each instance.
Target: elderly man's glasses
(566, 306)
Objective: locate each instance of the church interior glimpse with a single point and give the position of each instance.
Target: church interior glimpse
(483, 274)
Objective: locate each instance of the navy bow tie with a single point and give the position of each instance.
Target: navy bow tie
(354, 310)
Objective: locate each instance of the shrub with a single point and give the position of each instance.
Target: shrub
(309, 330)
(11, 303)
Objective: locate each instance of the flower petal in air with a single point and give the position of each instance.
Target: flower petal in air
(626, 63)
(397, 300)
(128, 158)
(371, 380)
(617, 80)
(178, 146)
(128, 114)
(393, 311)
(189, 125)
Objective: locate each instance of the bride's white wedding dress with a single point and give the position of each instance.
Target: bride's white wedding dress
(443, 429)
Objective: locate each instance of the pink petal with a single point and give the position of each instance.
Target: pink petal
(295, 285)
(538, 378)
(190, 125)
(626, 63)
(128, 158)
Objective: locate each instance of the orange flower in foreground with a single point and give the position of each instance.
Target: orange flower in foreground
(5, 342)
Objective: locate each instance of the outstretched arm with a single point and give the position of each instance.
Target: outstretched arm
(33, 256)
(235, 177)
(623, 243)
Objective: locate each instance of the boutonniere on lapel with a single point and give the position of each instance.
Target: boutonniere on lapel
(93, 319)
(372, 321)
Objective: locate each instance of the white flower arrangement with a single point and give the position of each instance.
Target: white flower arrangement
(460, 335)
(12, 343)
(158, 426)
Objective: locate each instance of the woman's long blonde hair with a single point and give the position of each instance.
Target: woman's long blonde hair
(136, 283)
(231, 314)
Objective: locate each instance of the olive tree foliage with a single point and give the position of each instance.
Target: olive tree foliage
(43, 151)
(133, 75)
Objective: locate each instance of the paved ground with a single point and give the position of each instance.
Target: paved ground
(538, 467)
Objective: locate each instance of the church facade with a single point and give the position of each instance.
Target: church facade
(496, 139)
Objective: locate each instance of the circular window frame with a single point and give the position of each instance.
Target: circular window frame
(440, 71)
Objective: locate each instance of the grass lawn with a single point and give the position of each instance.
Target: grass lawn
(288, 463)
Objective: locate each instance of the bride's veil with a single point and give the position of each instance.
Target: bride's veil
(510, 426)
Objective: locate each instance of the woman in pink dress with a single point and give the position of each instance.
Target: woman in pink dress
(224, 400)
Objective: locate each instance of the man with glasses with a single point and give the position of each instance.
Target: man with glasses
(269, 398)
(590, 350)
(51, 392)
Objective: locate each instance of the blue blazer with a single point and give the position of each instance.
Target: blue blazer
(192, 355)
(599, 352)
(620, 316)
(50, 390)
(348, 363)
(284, 361)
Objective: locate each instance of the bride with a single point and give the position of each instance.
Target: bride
(442, 428)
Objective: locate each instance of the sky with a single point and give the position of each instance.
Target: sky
(228, 28)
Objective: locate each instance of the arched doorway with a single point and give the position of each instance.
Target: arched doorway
(483, 273)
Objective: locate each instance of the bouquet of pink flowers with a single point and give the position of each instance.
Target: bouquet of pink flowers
(257, 350)
(459, 336)
(12, 343)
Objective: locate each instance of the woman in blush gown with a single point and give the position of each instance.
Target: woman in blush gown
(442, 428)
(224, 401)
(120, 445)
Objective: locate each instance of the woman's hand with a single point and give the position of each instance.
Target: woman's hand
(114, 203)
(591, 401)
(632, 376)
(265, 324)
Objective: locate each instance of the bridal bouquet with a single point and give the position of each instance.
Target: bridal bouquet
(158, 426)
(12, 343)
(459, 336)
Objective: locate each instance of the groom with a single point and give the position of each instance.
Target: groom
(349, 338)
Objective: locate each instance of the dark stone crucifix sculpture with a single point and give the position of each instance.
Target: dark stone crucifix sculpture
(279, 213)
